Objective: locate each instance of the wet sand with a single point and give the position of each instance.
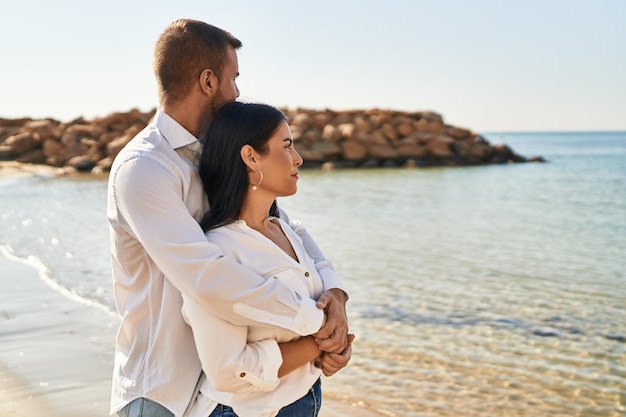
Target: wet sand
(55, 353)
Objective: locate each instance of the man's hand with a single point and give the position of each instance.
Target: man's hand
(333, 362)
(332, 337)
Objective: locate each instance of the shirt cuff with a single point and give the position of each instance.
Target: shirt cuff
(271, 359)
(308, 319)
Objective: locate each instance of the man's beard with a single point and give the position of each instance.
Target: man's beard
(217, 101)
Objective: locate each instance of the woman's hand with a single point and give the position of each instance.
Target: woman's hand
(331, 363)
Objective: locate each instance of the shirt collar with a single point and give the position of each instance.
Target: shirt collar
(176, 135)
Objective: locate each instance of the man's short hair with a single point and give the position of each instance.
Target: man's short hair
(185, 49)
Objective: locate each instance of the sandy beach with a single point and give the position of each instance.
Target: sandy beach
(10, 169)
(56, 352)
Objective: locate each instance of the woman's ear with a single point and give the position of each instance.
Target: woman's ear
(248, 156)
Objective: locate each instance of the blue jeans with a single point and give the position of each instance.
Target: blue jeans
(307, 406)
(143, 407)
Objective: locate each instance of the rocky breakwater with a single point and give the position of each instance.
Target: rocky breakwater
(84, 145)
(324, 138)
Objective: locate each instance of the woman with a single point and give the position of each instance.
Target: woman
(248, 160)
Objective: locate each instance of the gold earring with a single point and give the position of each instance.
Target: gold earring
(254, 186)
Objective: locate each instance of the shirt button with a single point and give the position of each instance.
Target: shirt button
(306, 274)
(242, 375)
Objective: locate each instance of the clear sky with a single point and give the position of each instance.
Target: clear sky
(488, 65)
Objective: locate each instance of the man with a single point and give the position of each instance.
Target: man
(159, 251)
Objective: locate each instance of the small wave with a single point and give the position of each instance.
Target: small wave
(44, 274)
(546, 333)
(617, 337)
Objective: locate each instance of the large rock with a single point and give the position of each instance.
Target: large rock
(22, 142)
(389, 131)
(75, 133)
(303, 121)
(82, 163)
(51, 147)
(35, 156)
(105, 163)
(330, 132)
(115, 146)
(321, 120)
(411, 150)
(361, 124)
(14, 122)
(458, 132)
(346, 131)
(503, 153)
(439, 147)
(311, 156)
(430, 125)
(481, 151)
(353, 150)
(6, 153)
(328, 150)
(406, 127)
(44, 128)
(383, 152)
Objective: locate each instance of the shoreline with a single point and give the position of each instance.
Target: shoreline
(13, 169)
(56, 354)
(10, 169)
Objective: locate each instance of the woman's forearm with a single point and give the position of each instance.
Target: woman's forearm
(297, 353)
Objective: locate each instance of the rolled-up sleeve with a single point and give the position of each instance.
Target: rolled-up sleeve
(230, 363)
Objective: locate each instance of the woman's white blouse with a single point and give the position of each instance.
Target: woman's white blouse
(241, 362)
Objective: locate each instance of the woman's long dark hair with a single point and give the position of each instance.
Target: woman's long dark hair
(223, 173)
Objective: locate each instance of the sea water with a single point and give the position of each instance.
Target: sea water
(474, 291)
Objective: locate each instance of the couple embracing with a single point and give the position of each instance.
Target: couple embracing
(228, 307)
